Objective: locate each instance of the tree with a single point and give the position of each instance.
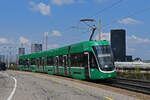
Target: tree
(137, 59)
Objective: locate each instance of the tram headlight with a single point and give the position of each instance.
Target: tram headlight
(106, 66)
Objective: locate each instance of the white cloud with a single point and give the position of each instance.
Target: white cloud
(138, 46)
(131, 49)
(62, 2)
(130, 39)
(53, 46)
(137, 40)
(41, 7)
(24, 40)
(56, 33)
(128, 20)
(3, 40)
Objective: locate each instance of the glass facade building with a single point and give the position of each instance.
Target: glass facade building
(118, 44)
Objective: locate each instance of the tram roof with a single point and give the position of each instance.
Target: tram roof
(86, 46)
(74, 48)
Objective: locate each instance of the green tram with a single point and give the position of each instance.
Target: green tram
(89, 60)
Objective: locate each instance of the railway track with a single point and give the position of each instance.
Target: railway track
(133, 85)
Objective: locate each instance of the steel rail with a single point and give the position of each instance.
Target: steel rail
(131, 84)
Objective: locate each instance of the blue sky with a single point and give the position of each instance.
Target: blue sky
(25, 21)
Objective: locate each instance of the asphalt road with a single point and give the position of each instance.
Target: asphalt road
(16, 85)
(6, 85)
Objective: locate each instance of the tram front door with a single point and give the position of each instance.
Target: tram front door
(43, 65)
(57, 65)
(87, 66)
(65, 64)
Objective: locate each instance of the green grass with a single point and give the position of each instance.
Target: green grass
(134, 75)
(13, 67)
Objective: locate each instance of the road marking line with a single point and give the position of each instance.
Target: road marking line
(108, 98)
(76, 87)
(14, 89)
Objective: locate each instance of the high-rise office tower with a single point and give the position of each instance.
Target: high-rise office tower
(36, 48)
(118, 44)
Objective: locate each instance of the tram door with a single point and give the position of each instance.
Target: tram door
(87, 66)
(57, 65)
(38, 64)
(43, 64)
(27, 65)
(65, 64)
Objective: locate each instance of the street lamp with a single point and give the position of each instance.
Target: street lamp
(46, 40)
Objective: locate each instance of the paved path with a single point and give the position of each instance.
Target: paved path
(32, 86)
(6, 85)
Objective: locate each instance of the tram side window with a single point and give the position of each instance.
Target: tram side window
(20, 62)
(85, 60)
(29, 61)
(93, 63)
(26, 62)
(23, 62)
(74, 60)
(50, 61)
(60, 60)
(40, 61)
(56, 61)
(43, 59)
(33, 62)
(79, 60)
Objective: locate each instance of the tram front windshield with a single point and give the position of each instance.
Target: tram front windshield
(105, 58)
